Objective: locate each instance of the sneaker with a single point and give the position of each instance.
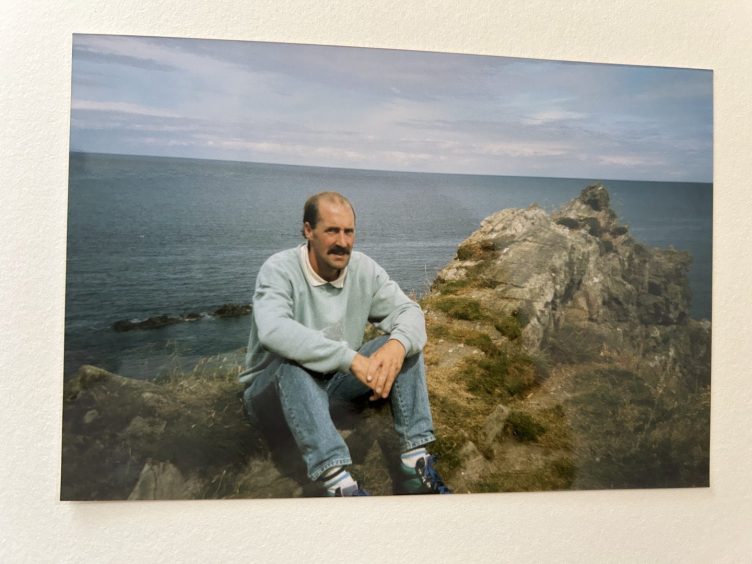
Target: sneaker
(339, 483)
(349, 491)
(423, 479)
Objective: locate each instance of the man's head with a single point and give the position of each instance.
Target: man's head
(329, 227)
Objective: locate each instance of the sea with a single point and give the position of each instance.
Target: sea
(153, 235)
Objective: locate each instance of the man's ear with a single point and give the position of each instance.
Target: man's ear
(307, 230)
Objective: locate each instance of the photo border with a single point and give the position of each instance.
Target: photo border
(695, 525)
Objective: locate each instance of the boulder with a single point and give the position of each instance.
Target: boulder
(162, 480)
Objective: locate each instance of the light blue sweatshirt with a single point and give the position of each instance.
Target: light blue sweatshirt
(321, 326)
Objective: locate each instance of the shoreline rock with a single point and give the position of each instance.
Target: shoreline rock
(159, 321)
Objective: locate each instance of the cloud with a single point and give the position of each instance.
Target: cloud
(630, 161)
(82, 53)
(551, 116)
(122, 108)
(387, 109)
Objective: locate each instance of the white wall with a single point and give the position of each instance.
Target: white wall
(704, 525)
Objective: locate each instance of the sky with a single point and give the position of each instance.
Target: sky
(389, 110)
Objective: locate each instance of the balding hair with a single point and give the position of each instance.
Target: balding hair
(311, 207)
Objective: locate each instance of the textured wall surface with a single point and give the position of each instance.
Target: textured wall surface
(679, 526)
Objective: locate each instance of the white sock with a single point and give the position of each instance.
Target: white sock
(337, 478)
(411, 457)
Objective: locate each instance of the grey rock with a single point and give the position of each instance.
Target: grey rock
(494, 425)
(90, 416)
(162, 480)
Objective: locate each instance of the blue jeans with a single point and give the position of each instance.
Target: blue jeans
(305, 405)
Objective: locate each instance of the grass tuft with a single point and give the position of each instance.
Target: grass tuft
(460, 308)
(509, 326)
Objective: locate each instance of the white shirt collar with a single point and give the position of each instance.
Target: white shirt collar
(313, 278)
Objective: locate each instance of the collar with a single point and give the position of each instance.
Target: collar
(313, 278)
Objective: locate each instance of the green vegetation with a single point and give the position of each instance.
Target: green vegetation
(639, 436)
(437, 331)
(480, 341)
(523, 427)
(452, 433)
(509, 326)
(473, 278)
(452, 286)
(475, 251)
(486, 376)
(460, 308)
(502, 374)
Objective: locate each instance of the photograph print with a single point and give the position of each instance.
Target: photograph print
(319, 271)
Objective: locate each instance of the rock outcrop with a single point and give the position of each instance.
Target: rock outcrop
(561, 355)
(188, 438)
(537, 312)
(580, 268)
(159, 321)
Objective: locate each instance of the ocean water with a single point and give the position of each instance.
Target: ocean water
(151, 235)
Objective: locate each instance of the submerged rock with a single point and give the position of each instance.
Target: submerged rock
(155, 322)
(233, 310)
(159, 321)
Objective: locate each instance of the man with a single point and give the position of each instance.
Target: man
(310, 308)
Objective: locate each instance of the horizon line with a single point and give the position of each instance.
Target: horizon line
(593, 178)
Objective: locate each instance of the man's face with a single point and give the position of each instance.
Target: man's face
(331, 241)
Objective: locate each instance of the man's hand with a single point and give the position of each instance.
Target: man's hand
(379, 371)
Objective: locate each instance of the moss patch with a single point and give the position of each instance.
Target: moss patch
(453, 426)
(476, 251)
(509, 326)
(452, 286)
(460, 308)
(501, 375)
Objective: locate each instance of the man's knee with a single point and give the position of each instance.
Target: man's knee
(413, 362)
(267, 384)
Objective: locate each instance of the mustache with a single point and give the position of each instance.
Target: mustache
(337, 250)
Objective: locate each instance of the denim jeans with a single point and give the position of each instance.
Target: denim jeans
(305, 405)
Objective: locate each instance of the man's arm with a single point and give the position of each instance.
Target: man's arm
(396, 314)
(403, 319)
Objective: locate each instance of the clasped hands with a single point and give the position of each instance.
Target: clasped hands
(379, 370)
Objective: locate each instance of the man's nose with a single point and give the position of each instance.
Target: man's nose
(342, 239)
